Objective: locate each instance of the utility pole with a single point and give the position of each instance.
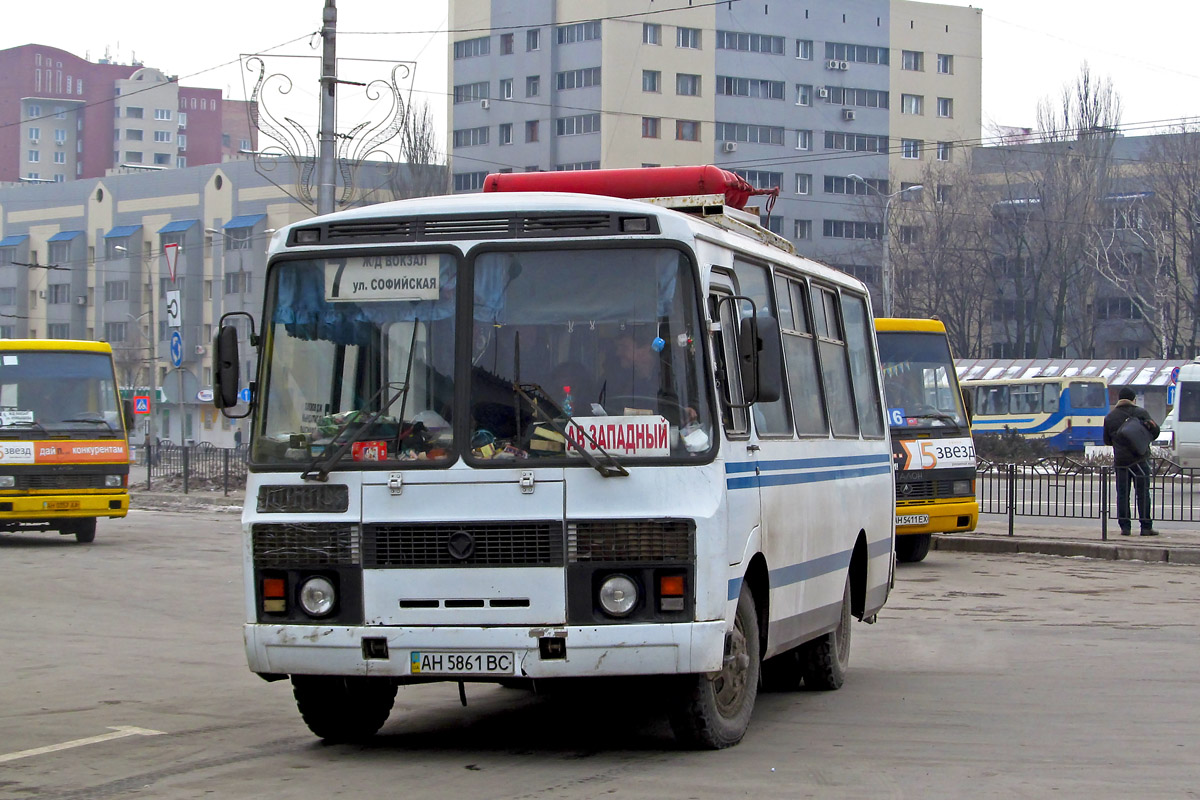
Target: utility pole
(326, 135)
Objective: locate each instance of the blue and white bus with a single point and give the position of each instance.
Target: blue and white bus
(539, 434)
(1065, 412)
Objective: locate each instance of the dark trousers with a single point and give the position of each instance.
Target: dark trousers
(1139, 475)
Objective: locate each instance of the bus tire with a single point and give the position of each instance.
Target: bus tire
(713, 713)
(343, 709)
(84, 530)
(912, 547)
(824, 660)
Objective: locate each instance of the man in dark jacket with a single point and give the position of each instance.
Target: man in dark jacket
(1130, 466)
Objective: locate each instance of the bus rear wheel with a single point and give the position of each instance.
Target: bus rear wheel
(342, 709)
(912, 547)
(713, 712)
(824, 660)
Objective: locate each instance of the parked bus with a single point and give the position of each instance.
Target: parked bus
(931, 434)
(1066, 413)
(64, 451)
(1183, 422)
(543, 434)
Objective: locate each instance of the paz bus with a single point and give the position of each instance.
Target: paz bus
(931, 434)
(549, 431)
(1067, 413)
(64, 451)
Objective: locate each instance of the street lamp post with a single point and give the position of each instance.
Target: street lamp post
(886, 266)
(152, 368)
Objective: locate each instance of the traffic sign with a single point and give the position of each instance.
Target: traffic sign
(1174, 376)
(171, 251)
(1171, 394)
(176, 349)
(173, 310)
(141, 404)
(244, 395)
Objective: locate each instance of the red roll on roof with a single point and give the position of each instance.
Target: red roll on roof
(632, 183)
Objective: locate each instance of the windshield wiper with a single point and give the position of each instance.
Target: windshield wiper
(535, 395)
(318, 469)
(939, 415)
(100, 421)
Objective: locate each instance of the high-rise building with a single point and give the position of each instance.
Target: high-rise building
(839, 104)
(66, 117)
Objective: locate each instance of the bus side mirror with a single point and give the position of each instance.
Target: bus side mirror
(127, 414)
(762, 360)
(966, 398)
(226, 367)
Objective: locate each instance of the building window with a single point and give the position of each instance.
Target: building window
(802, 229)
(469, 181)
(238, 238)
(749, 87)
(115, 331)
(471, 92)
(912, 60)
(162, 113)
(181, 161)
(58, 294)
(133, 157)
(804, 49)
(181, 140)
(533, 40)
(133, 112)
(577, 166)
(533, 85)
(910, 234)
(35, 135)
(34, 156)
(945, 64)
(134, 135)
(761, 179)
(58, 330)
(504, 133)
(244, 145)
(59, 178)
(860, 53)
(945, 107)
(578, 78)
(863, 98)
(60, 157)
(506, 88)
(35, 110)
(470, 48)
(750, 42)
(687, 85)
(943, 193)
(687, 130)
(835, 184)
(910, 148)
(116, 290)
(651, 80)
(577, 125)
(578, 32)
(471, 137)
(60, 135)
(8, 296)
(803, 183)
(531, 130)
(651, 33)
(943, 151)
(162, 136)
(804, 140)
(688, 38)
(912, 104)
(907, 196)
(182, 119)
(650, 127)
(506, 44)
(804, 94)
(237, 282)
(851, 229)
(753, 134)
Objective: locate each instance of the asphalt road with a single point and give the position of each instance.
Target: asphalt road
(987, 676)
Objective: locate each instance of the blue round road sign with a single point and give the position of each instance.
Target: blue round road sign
(176, 348)
(244, 395)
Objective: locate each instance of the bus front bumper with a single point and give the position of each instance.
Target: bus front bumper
(590, 651)
(943, 517)
(15, 509)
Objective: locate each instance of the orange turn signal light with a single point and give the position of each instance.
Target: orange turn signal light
(273, 587)
(670, 586)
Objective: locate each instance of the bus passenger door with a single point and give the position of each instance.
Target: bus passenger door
(740, 454)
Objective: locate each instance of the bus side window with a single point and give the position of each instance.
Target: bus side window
(835, 365)
(729, 380)
(1050, 397)
(863, 370)
(771, 419)
(800, 355)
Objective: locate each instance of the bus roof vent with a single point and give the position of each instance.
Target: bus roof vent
(466, 227)
(567, 225)
(391, 230)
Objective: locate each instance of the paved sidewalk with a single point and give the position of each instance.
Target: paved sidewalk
(1177, 542)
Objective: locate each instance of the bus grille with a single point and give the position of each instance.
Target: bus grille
(630, 540)
(326, 498)
(59, 481)
(305, 545)
(923, 490)
(485, 544)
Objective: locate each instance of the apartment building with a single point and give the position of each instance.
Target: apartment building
(839, 104)
(79, 119)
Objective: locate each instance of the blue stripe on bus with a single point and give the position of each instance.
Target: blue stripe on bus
(1005, 421)
(790, 478)
(802, 463)
(815, 568)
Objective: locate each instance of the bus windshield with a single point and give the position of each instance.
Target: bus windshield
(360, 358)
(919, 382)
(54, 392)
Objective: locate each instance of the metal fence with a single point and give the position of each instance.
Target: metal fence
(200, 466)
(1064, 487)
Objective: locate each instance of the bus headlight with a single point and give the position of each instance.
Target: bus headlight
(113, 481)
(963, 488)
(618, 595)
(317, 596)
(8, 481)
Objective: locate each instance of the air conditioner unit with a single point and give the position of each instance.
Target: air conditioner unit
(729, 147)
(80, 300)
(35, 141)
(831, 64)
(41, 294)
(849, 114)
(843, 65)
(485, 104)
(200, 350)
(822, 92)
(60, 142)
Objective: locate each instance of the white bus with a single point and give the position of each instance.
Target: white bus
(537, 435)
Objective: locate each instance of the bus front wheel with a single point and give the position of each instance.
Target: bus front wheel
(343, 709)
(824, 660)
(713, 711)
(84, 530)
(912, 547)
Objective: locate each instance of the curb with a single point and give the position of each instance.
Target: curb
(1109, 551)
